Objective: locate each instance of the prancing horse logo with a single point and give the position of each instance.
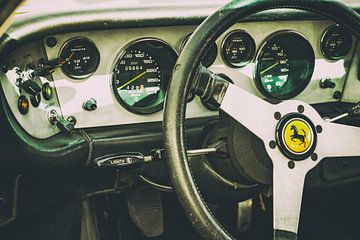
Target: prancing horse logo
(296, 135)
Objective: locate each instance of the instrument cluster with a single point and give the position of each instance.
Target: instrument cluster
(100, 81)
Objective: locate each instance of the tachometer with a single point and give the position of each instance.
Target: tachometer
(141, 75)
(80, 58)
(285, 64)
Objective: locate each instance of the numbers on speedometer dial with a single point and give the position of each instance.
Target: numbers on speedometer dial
(284, 65)
(138, 79)
(275, 68)
(141, 75)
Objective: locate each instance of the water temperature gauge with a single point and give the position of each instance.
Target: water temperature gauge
(238, 48)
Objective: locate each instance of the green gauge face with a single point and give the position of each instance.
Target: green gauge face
(275, 69)
(141, 75)
(284, 66)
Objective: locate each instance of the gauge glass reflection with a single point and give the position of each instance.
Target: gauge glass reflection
(141, 75)
(285, 64)
(238, 48)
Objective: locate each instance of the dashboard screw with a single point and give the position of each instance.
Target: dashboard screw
(51, 42)
(291, 164)
(319, 129)
(272, 144)
(72, 120)
(314, 156)
(277, 115)
(300, 108)
(337, 95)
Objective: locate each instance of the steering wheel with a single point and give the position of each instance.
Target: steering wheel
(289, 170)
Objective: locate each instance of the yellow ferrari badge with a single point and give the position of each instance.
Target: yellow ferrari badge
(298, 136)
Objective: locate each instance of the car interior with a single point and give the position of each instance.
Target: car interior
(179, 120)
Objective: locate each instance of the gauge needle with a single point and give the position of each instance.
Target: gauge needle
(269, 68)
(132, 80)
(67, 59)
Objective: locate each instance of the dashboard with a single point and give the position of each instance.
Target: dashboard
(120, 76)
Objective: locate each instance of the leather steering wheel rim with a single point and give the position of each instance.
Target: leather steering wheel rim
(185, 71)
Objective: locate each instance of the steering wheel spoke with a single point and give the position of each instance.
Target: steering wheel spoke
(288, 185)
(337, 140)
(252, 112)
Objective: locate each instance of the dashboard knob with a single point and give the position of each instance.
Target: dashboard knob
(90, 105)
(327, 83)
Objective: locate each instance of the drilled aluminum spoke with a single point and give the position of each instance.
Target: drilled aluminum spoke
(337, 140)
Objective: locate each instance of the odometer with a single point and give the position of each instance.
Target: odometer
(285, 64)
(141, 75)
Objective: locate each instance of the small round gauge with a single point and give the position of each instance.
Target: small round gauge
(210, 56)
(141, 75)
(80, 58)
(284, 65)
(336, 42)
(238, 48)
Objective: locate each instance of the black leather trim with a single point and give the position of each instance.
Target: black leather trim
(185, 70)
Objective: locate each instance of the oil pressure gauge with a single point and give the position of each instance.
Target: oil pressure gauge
(238, 48)
(336, 42)
(79, 58)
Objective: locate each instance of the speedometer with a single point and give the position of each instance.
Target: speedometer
(141, 75)
(285, 64)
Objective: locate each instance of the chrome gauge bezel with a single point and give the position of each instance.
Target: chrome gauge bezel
(251, 54)
(323, 50)
(120, 55)
(257, 78)
(94, 66)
